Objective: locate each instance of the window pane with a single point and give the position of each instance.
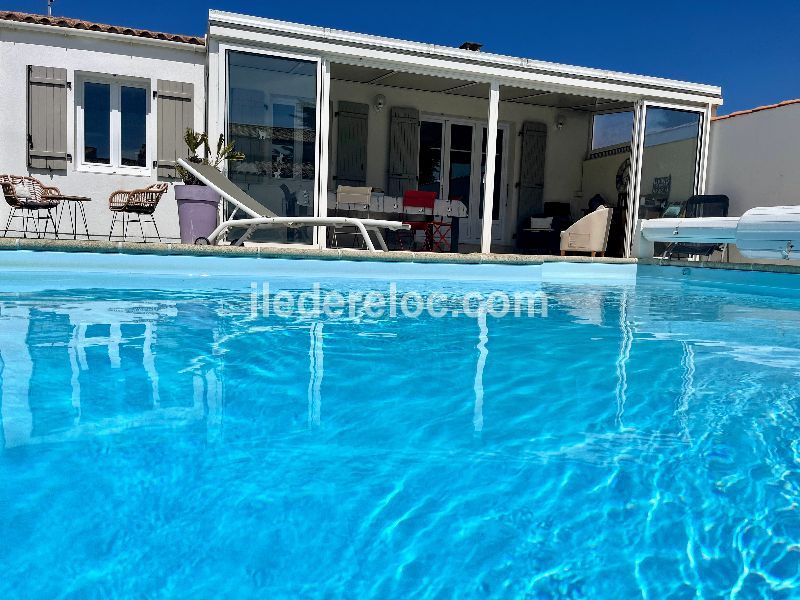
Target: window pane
(134, 126)
(612, 129)
(272, 116)
(461, 137)
(97, 123)
(430, 156)
(460, 162)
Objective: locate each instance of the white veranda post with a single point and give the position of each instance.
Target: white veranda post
(637, 143)
(322, 154)
(488, 181)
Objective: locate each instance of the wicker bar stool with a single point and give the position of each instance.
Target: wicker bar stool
(131, 206)
(27, 198)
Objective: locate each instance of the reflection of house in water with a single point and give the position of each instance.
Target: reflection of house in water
(93, 367)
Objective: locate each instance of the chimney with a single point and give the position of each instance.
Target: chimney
(474, 46)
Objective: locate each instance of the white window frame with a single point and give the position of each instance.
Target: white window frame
(115, 84)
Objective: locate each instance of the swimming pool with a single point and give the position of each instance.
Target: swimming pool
(636, 436)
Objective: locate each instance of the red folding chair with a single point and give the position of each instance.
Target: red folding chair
(441, 232)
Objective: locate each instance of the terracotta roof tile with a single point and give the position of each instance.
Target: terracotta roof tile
(757, 109)
(20, 17)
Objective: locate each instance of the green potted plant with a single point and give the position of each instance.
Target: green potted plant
(198, 205)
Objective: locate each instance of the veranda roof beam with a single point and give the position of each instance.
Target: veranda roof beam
(382, 77)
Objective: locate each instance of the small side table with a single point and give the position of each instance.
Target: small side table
(73, 204)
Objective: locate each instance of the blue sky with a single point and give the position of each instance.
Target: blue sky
(751, 49)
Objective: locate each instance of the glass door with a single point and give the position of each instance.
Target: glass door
(452, 163)
(272, 119)
(447, 165)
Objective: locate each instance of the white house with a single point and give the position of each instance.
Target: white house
(313, 108)
(86, 107)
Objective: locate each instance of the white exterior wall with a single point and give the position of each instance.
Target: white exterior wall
(755, 161)
(566, 147)
(122, 56)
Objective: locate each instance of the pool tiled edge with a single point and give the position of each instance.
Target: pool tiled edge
(169, 249)
(103, 247)
(773, 268)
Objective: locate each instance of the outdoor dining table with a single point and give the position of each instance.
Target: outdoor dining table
(381, 203)
(73, 205)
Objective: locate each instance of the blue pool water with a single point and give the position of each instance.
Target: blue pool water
(158, 440)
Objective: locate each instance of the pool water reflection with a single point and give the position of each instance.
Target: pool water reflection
(164, 441)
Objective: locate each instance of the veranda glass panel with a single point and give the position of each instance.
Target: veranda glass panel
(669, 163)
(272, 114)
(669, 160)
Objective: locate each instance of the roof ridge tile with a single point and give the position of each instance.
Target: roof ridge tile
(750, 111)
(70, 23)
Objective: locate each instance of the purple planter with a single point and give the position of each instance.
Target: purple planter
(197, 211)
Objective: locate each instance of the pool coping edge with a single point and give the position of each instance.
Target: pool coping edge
(170, 249)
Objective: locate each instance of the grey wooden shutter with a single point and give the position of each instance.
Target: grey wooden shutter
(47, 118)
(175, 116)
(531, 168)
(351, 145)
(403, 151)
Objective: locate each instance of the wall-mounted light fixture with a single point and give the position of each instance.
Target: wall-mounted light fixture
(561, 120)
(379, 102)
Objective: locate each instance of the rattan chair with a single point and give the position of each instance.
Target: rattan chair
(133, 205)
(27, 198)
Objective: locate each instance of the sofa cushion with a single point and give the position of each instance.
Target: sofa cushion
(22, 191)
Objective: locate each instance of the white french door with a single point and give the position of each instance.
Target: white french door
(452, 163)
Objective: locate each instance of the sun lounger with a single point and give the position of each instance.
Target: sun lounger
(259, 217)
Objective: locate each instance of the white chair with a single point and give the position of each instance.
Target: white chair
(348, 200)
(353, 198)
(590, 234)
